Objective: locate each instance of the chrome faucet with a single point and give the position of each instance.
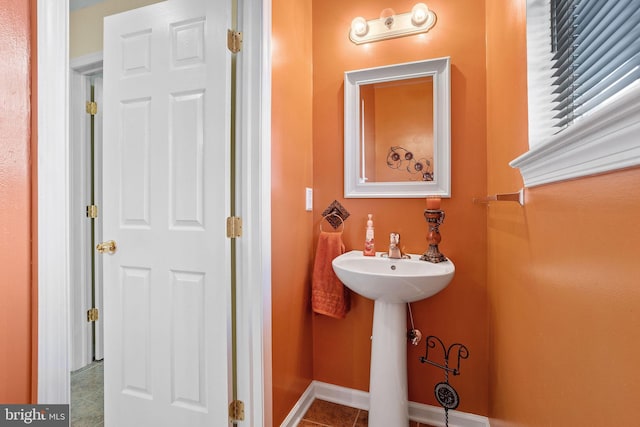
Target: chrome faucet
(394, 250)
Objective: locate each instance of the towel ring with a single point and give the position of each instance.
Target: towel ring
(332, 214)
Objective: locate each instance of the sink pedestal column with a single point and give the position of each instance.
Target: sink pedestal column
(388, 401)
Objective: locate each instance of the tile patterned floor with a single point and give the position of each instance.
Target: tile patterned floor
(87, 396)
(326, 414)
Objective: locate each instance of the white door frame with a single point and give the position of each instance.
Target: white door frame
(254, 182)
(80, 340)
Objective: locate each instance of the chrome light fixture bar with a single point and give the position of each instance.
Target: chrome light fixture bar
(390, 25)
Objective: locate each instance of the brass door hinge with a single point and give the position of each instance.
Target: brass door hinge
(234, 227)
(92, 211)
(236, 410)
(92, 314)
(92, 108)
(234, 41)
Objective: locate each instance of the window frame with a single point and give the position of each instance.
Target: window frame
(607, 139)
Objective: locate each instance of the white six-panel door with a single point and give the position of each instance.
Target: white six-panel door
(166, 196)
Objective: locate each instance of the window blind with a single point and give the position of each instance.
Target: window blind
(596, 54)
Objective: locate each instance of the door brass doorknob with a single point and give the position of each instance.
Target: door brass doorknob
(108, 247)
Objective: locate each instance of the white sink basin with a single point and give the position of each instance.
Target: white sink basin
(392, 280)
(391, 283)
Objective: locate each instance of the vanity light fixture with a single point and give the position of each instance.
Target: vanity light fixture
(390, 25)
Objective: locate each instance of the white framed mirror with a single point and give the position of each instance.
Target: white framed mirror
(397, 136)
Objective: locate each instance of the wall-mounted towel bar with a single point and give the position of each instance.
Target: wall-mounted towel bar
(503, 197)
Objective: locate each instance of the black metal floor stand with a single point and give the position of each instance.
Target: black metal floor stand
(446, 395)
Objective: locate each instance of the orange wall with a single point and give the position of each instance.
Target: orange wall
(292, 228)
(341, 348)
(15, 196)
(563, 270)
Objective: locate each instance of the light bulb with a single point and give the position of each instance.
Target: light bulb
(388, 17)
(419, 14)
(359, 26)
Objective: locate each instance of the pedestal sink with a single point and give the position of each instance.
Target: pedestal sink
(391, 283)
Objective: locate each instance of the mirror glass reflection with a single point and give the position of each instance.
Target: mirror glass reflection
(397, 130)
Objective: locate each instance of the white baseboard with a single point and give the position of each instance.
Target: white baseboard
(434, 416)
(300, 408)
(419, 412)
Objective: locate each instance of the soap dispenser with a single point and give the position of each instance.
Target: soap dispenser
(369, 247)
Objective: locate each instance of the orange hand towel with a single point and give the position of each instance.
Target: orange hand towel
(328, 295)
